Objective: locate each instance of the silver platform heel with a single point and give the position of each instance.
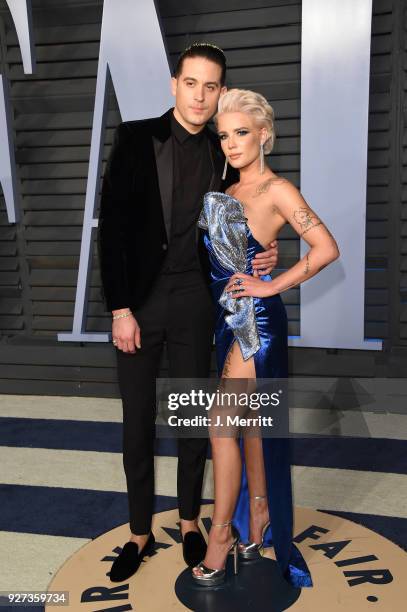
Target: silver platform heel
(214, 577)
(251, 550)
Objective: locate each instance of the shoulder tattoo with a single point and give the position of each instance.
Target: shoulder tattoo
(263, 187)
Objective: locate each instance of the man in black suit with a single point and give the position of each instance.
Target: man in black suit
(155, 275)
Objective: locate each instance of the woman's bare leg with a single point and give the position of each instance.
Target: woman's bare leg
(256, 478)
(227, 470)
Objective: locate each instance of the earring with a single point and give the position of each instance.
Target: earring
(261, 158)
(225, 169)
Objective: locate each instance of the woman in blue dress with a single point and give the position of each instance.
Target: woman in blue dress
(252, 478)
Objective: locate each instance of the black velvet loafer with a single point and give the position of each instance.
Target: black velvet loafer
(129, 560)
(193, 548)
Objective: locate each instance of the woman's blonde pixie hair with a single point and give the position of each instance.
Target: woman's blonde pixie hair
(252, 103)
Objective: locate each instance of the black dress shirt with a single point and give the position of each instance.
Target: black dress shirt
(192, 171)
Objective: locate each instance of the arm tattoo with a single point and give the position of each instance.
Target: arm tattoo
(306, 264)
(305, 219)
(311, 227)
(306, 271)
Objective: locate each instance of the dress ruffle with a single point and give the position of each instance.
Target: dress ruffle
(223, 217)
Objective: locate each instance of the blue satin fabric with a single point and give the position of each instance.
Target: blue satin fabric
(227, 235)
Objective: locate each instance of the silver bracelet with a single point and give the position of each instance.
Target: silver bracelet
(122, 316)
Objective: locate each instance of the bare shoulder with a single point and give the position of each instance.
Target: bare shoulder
(291, 204)
(286, 196)
(279, 191)
(270, 184)
(270, 179)
(284, 187)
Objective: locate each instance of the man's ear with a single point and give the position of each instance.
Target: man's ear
(174, 84)
(223, 90)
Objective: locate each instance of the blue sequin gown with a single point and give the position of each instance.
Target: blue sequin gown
(260, 327)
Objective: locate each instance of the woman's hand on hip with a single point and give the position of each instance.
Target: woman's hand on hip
(244, 285)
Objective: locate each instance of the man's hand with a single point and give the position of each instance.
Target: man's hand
(265, 262)
(126, 333)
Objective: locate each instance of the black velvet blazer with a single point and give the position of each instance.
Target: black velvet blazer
(135, 209)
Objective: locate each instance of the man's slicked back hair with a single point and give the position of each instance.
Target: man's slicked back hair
(207, 51)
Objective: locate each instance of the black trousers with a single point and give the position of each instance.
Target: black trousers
(179, 313)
